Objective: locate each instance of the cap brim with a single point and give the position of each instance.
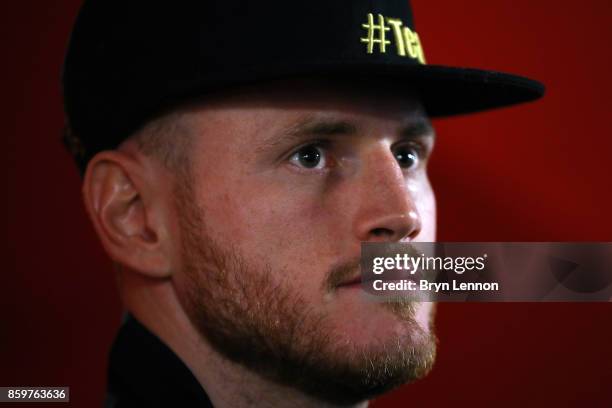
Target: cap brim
(444, 91)
(450, 91)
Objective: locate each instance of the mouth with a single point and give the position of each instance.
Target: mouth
(352, 282)
(349, 275)
(358, 281)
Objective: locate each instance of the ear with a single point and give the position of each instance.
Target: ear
(127, 214)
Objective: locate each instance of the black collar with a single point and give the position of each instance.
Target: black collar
(143, 371)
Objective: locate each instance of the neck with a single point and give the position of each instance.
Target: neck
(227, 384)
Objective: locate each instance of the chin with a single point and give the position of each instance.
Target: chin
(373, 323)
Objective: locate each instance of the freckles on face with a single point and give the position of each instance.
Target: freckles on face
(259, 192)
(276, 222)
(283, 195)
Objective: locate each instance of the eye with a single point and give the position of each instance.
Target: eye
(407, 156)
(309, 157)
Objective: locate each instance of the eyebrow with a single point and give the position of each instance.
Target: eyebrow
(419, 127)
(324, 128)
(310, 126)
(315, 126)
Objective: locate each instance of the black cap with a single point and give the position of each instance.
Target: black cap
(128, 60)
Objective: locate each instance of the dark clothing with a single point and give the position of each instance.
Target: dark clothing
(144, 372)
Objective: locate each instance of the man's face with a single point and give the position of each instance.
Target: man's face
(284, 184)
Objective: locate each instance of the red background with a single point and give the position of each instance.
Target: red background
(540, 172)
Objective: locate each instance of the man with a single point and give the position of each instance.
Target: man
(234, 157)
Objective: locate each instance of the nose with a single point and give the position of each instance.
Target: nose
(387, 211)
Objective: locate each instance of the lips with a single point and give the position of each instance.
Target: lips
(393, 275)
(347, 274)
(356, 280)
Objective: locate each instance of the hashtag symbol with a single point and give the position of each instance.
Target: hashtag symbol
(372, 28)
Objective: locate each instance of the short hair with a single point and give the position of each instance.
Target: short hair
(164, 138)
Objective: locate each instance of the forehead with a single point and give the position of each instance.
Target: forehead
(251, 119)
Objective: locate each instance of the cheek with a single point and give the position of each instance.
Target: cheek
(277, 230)
(287, 220)
(264, 217)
